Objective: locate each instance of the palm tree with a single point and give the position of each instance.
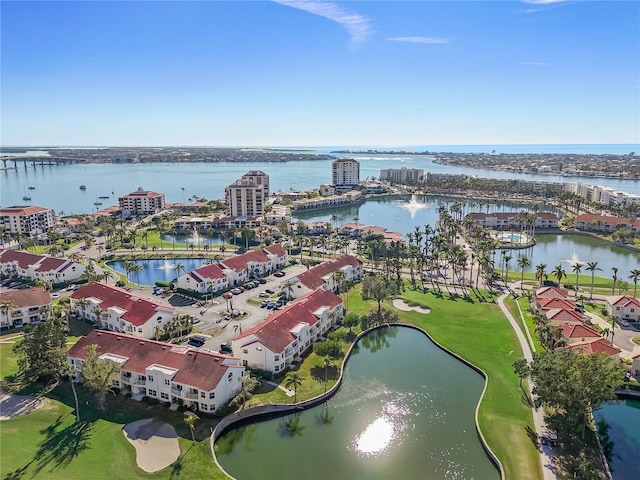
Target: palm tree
(294, 379)
(614, 275)
(507, 259)
(540, 272)
(191, 420)
(180, 268)
(592, 267)
(327, 362)
(559, 273)
(576, 267)
(635, 276)
(523, 262)
(5, 307)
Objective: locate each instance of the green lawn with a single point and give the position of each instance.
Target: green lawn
(528, 318)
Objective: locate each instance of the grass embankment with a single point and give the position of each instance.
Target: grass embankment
(528, 318)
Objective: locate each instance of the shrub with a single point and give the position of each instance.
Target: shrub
(162, 283)
(329, 348)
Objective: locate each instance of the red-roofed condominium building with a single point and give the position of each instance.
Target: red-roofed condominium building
(22, 307)
(276, 343)
(623, 307)
(326, 276)
(171, 373)
(28, 220)
(141, 202)
(50, 269)
(600, 345)
(115, 309)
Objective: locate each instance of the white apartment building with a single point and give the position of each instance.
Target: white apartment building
(325, 277)
(244, 198)
(623, 307)
(28, 220)
(345, 174)
(50, 269)
(24, 307)
(167, 372)
(118, 310)
(274, 344)
(605, 195)
(258, 177)
(141, 202)
(402, 175)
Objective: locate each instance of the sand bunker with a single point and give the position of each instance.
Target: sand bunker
(12, 406)
(402, 305)
(156, 443)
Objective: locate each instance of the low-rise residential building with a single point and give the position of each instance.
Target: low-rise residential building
(23, 307)
(277, 214)
(39, 267)
(563, 316)
(277, 343)
(234, 271)
(172, 373)
(576, 333)
(29, 220)
(347, 198)
(551, 292)
(113, 308)
(635, 366)
(623, 307)
(605, 223)
(506, 220)
(600, 345)
(402, 175)
(544, 304)
(141, 202)
(325, 276)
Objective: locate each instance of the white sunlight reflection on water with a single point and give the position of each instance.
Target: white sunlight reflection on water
(376, 437)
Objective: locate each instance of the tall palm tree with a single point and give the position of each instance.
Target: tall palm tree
(523, 262)
(294, 379)
(327, 362)
(540, 272)
(614, 276)
(559, 273)
(592, 267)
(635, 276)
(576, 267)
(191, 420)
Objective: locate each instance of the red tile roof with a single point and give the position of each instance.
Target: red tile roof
(196, 368)
(579, 331)
(138, 310)
(563, 315)
(22, 210)
(551, 292)
(314, 278)
(547, 303)
(606, 220)
(623, 301)
(588, 347)
(208, 271)
(275, 249)
(23, 259)
(49, 264)
(275, 332)
(29, 297)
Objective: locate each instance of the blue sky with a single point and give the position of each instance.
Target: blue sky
(314, 73)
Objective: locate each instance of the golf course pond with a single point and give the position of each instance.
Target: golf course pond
(405, 409)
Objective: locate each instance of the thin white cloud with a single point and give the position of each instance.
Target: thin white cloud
(429, 40)
(357, 26)
(543, 64)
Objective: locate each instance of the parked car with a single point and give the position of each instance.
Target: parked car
(262, 281)
(270, 292)
(225, 348)
(236, 291)
(196, 320)
(197, 340)
(278, 274)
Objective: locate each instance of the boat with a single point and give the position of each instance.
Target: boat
(26, 196)
(32, 188)
(97, 203)
(83, 187)
(104, 196)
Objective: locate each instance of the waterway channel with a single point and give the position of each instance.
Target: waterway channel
(404, 410)
(623, 420)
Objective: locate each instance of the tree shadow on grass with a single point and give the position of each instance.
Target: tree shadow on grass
(62, 446)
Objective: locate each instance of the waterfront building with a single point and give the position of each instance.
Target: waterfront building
(544, 304)
(605, 195)
(623, 307)
(113, 308)
(277, 214)
(507, 220)
(172, 373)
(25, 307)
(141, 202)
(563, 316)
(234, 271)
(402, 175)
(327, 190)
(635, 366)
(345, 174)
(258, 177)
(361, 230)
(27, 220)
(323, 276)
(279, 341)
(39, 267)
(347, 198)
(605, 223)
(244, 198)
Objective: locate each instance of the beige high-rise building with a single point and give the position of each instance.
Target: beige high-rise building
(141, 202)
(245, 198)
(345, 174)
(258, 177)
(28, 220)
